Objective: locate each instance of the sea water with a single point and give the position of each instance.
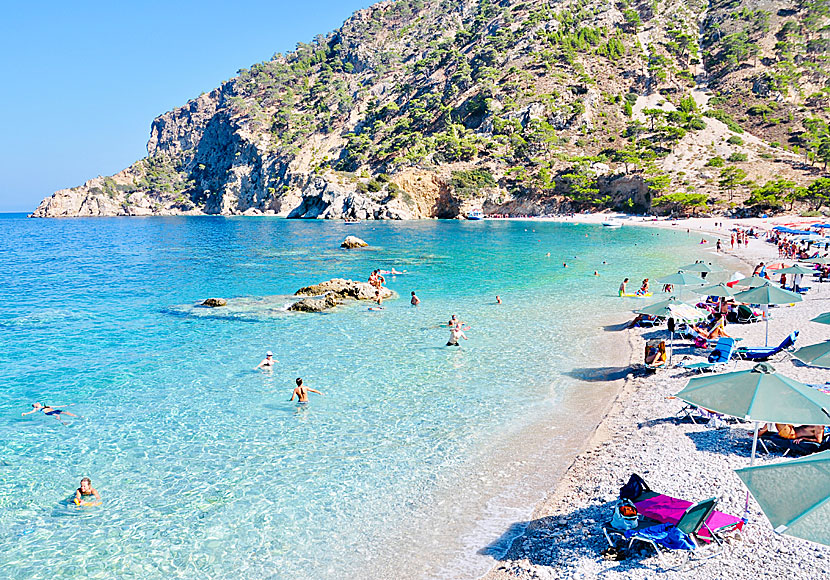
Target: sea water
(208, 471)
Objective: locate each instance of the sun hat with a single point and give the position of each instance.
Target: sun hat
(269, 353)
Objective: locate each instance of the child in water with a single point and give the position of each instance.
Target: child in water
(87, 490)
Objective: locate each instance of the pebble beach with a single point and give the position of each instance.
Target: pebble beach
(643, 434)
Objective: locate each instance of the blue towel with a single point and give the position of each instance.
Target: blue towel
(667, 535)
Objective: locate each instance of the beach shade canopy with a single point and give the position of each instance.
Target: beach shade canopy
(794, 495)
(720, 290)
(682, 279)
(822, 318)
(777, 266)
(700, 267)
(659, 308)
(795, 270)
(767, 294)
(752, 282)
(687, 313)
(759, 394)
(817, 355)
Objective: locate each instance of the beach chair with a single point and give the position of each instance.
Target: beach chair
(745, 315)
(718, 359)
(763, 353)
(646, 321)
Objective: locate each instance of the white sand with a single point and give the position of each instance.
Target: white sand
(694, 462)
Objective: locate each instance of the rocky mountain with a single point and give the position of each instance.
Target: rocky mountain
(417, 108)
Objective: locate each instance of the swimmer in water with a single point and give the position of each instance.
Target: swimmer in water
(596, 273)
(301, 392)
(87, 490)
(414, 301)
(267, 362)
(455, 333)
(622, 287)
(498, 300)
(50, 410)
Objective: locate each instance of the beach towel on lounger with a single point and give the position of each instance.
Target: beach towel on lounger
(667, 535)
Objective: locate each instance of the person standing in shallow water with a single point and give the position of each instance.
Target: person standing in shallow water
(301, 392)
(414, 301)
(622, 287)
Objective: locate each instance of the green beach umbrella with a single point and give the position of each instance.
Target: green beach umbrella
(817, 355)
(752, 282)
(794, 495)
(795, 270)
(682, 279)
(701, 267)
(659, 308)
(824, 260)
(822, 318)
(721, 290)
(767, 294)
(760, 395)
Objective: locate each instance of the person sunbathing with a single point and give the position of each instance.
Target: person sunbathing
(716, 332)
(814, 433)
(656, 355)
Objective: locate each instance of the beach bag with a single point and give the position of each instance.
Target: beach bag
(634, 488)
(625, 517)
(715, 356)
(701, 342)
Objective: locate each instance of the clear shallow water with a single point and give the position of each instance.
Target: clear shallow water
(205, 468)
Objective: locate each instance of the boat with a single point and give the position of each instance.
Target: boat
(476, 214)
(612, 223)
(351, 221)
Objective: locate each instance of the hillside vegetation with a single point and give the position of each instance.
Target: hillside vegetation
(418, 108)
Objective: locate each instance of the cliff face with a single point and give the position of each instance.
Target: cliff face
(417, 109)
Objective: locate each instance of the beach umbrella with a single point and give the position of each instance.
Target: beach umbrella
(659, 308)
(720, 290)
(822, 318)
(682, 279)
(794, 495)
(676, 309)
(776, 266)
(796, 269)
(752, 282)
(824, 260)
(767, 294)
(760, 395)
(817, 355)
(701, 267)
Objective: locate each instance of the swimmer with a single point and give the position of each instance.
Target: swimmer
(455, 333)
(564, 265)
(498, 300)
(50, 410)
(622, 287)
(596, 273)
(547, 255)
(87, 490)
(301, 392)
(267, 362)
(414, 300)
(378, 297)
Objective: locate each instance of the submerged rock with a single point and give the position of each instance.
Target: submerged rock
(353, 242)
(215, 302)
(344, 290)
(320, 304)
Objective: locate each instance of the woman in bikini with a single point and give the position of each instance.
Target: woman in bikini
(50, 410)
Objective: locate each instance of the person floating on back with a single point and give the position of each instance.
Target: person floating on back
(86, 490)
(50, 411)
(301, 392)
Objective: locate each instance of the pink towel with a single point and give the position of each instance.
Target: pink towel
(669, 510)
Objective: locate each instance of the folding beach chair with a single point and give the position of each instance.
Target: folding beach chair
(719, 357)
(763, 353)
(746, 315)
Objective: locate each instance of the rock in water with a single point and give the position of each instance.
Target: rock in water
(215, 302)
(315, 304)
(344, 290)
(353, 242)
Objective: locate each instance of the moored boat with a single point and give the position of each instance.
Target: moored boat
(476, 214)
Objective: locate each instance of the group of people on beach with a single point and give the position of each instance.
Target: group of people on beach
(643, 291)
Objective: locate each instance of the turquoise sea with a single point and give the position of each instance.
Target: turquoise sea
(417, 456)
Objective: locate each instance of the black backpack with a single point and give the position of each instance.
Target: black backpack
(634, 488)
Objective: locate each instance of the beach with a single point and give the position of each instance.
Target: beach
(641, 434)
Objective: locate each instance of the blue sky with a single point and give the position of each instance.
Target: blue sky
(83, 80)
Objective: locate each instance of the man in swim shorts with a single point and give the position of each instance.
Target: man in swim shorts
(414, 301)
(622, 287)
(50, 411)
(455, 334)
(87, 490)
(301, 392)
(267, 362)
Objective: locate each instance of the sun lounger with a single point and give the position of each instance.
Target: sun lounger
(763, 353)
(719, 357)
(799, 290)
(745, 315)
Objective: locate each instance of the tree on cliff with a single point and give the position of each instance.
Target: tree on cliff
(731, 178)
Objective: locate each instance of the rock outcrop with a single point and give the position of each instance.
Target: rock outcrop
(321, 304)
(353, 242)
(345, 290)
(215, 302)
